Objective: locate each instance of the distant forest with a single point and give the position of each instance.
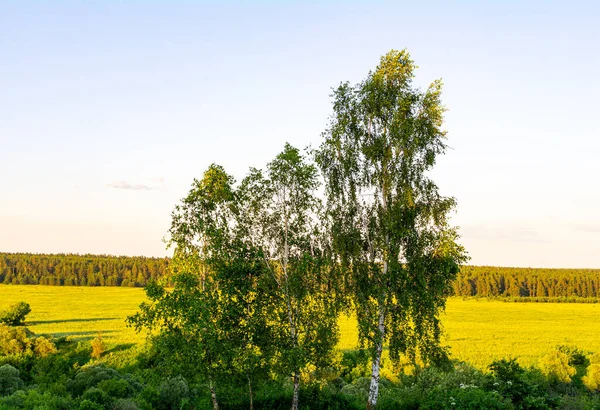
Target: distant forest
(136, 271)
(80, 270)
(488, 281)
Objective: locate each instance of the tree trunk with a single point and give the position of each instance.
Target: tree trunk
(376, 366)
(250, 394)
(296, 390)
(213, 394)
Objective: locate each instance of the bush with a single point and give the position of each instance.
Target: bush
(34, 399)
(118, 388)
(508, 375)
(576, 356)
(124, 404)
(355, 364)
(10, 381)
(15, 315)
(359, 388)
(171, 392)
(556, 366)
(96, 395)
(90, 377)
(14, 340)
(98, 347)
(50, 369)
(592, 378)
(466, 399)
(315, 397)
(43, 347)
(90, 405)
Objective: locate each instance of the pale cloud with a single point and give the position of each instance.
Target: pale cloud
(589, 228)
(128, 186)
(155, 184)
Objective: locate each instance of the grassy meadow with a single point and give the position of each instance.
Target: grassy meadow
(477, 330)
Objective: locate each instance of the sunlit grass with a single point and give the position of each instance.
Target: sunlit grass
(78, 311)
(478, 331)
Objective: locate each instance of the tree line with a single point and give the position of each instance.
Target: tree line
(490, 281)
(107, 270)
(80, 270)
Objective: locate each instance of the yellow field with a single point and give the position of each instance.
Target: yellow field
(478, 331)
(78, 311)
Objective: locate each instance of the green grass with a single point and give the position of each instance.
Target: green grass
(477, 330)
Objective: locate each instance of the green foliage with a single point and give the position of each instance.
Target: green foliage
(10, 381)
(89, 377)
(280, 216)
(467, 399)
(125, 404)
(388, 221)
(509, 380)
(88, 404)
(252, 291)
(354, 364)
(96, 395)
(118, 388)
(34, 399)
(15, 315)
(50, 369)
(172, 392)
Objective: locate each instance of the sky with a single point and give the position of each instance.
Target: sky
(109, 110)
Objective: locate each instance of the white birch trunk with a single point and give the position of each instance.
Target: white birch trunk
(376, 366)
(213, 394)
(296, 391)
(251, 394)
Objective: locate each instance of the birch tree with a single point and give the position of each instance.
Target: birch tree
(280, 213)
(389, 223)
(208, 321)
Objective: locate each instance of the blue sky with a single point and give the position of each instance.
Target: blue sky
(109, 110)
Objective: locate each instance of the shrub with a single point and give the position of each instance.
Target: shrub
(14, 340)
(124, 404)
(50, 369)
(466, 399)
(90, 405)
(556, 366)
(592, 378)
(508, 375)
(15, 315)
(43, 347)
(319, 398)
(98, 347)
(96, 395)
(10, 381)
(355, 364)
(34, 399)
(118, 388)
(576, 356)
(463, 375)
(90, 377)
(171, 392)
